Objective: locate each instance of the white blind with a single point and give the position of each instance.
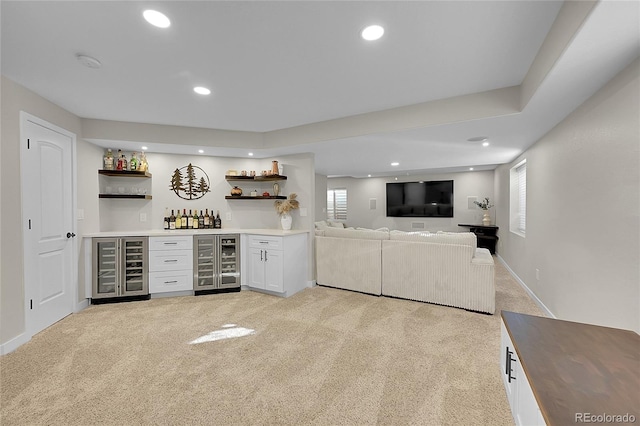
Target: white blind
(521, 172)
(337, 204)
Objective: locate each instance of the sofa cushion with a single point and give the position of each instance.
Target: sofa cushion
(356, 233)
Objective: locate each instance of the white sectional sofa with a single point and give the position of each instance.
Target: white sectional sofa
(442, 268)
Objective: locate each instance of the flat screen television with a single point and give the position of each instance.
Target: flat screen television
(420, 199)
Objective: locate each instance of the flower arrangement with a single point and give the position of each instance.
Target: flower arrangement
(484, 204)
(285, 206)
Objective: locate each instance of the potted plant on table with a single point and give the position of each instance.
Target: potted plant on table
(485, 205)
(284, 207)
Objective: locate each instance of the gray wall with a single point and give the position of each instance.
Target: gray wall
(361, 191)
(124, 215)
(583, 211)
(16, 98)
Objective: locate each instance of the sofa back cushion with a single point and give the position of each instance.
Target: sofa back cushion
(356, 233)
(461, 238)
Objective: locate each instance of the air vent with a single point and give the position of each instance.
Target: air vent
(417, 225)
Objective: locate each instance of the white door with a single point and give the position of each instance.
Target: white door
(48, 229)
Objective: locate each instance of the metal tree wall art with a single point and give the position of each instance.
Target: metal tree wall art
(190, 182)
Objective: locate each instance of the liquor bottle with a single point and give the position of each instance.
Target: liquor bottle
(190, 220)
(195, 220)
(172, 221)
(144, 164)
(179, 220)
(119, 160)
(201, 221)
(217, 223)
(108, 160)
(166, 218)
(124, 162)
(133, 164)
(207, 219)
(185, 221)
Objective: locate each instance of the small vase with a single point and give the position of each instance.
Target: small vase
(286, 220)
(276, 189)
(486, 219)
(236, 190)
(274, 167)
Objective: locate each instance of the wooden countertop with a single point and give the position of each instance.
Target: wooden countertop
(577, 368)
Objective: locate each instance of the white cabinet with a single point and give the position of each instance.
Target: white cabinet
(522, 402)
(170, 264)
(277, 264)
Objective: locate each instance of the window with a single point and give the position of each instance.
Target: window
(337, 204)
(518, 198)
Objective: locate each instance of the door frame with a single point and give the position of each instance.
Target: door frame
(25, 118)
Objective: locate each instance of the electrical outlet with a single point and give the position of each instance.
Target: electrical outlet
(303, 211)
(229, 216)
(143, 217)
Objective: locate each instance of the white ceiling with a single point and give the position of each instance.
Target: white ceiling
(278, 65)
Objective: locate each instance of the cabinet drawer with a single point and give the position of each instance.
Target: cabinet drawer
(170, 243)
(162, 282)
(264, 241)
(170, 260)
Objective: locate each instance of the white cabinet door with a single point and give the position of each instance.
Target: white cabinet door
(256, 268)
(274, 271)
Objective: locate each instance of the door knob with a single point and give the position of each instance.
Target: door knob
(70, 235)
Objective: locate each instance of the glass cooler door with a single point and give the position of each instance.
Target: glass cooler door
(204, 263)
(134, 251)
(229, 262)
(105, 267)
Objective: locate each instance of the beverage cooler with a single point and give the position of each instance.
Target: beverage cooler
(120, 268)
(216, 263)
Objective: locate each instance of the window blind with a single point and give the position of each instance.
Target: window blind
(521, 173)
(337, 204)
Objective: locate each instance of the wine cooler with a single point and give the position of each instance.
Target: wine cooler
(216, 263)
(120, 268)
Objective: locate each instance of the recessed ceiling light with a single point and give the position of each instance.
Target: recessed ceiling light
(201, 151)
(372, 32)
(470, 168)
(395, 164)
(88, 61)
(144, 148)
(368, 175)
(478, 139)
(485, 143)
(396, 178)
(156, 18)
(251, 154)
(201, 90)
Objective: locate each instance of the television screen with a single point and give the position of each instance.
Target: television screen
(420, 199)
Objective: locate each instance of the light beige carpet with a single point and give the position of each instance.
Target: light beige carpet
(321, 357)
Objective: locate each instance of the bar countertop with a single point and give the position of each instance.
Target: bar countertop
(578, 368)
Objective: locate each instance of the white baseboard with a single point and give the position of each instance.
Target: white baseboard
(14, 343)
(527, 289)
(81, 305)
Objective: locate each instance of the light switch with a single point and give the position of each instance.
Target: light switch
(303, 211)
(80, 214)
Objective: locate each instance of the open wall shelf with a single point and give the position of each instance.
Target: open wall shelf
(124, 173)
(271, 178)
(259, 197)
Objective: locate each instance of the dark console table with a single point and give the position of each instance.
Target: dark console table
(487, 235)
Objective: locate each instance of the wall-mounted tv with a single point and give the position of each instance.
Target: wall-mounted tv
(420, 199)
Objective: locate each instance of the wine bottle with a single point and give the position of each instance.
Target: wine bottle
(195, 219)
(217, 223)
(201, 221)
(172, 221)
(179, 220)
(206, 218)
(166, 218)
(133, 164)
(190, 220)
(185, 221)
